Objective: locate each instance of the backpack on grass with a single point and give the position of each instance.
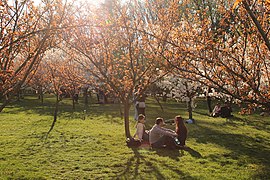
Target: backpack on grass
(131, 142)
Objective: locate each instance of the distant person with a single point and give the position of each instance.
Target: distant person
(226, 111)
(140, 104)
(159, 136)
(141, 133)
(136, 115)
(181, 130)
(216, 111)
(76, 97)
(265, 112)
(209, 99)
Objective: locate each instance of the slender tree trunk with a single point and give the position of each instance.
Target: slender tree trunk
(126, 118)
(41, 97)
(55, 114)
(40, 94)
(73, 103)
(257, 24)
(189, 103)
(18, 96)
(85, 97)
(160, 105)
(106, 99)
(208, 99)
(164, 98)
(5, 103)
(190, 108)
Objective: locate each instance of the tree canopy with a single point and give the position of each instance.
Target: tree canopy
(127, 46)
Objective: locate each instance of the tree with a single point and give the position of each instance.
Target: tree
(26, 33)
(38, 80)
(231, 57)
(116, 53)
(181, 89)
(62, 75)
(257, 11)
(75, 78)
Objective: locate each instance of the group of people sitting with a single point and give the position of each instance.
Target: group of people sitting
(159, 136)
(222, 111)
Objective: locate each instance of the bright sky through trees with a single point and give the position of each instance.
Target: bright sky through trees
(94, 2)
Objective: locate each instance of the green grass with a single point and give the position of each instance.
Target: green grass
(95, 148)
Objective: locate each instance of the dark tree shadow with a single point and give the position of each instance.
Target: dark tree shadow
(201, 113)
(132, 165)
(258, 123)
(136, 160)
(192, 152)
(176, 153)
(171, 153)
(255, 148)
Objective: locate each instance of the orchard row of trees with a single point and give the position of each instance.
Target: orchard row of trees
(125, 47)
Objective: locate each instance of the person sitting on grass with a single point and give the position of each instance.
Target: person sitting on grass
(181, 130)
(226, 111)
(141, 133)
(216, 110)
(160, 137)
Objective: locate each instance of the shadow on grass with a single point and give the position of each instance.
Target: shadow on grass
(241, 146)
(175, 153)
(193, 153)
(133, 165)
(32, 105)
(202, 113)
(171, 153)
(258, 123)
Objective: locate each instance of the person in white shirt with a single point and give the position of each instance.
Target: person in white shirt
(159, 136)
(141, 133)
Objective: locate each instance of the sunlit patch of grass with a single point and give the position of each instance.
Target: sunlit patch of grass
(95, 148)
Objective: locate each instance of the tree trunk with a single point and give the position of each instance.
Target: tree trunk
(209, 100)
(85, 97)
(6, 101)
(257, 24)
(190, 108)
(41, 97)
(19, 96)
(106, 99)
(160, 105)
(164, 97)
(189, 103)
(40, 94)
(126, 118)
(55, 114)
(73, 103)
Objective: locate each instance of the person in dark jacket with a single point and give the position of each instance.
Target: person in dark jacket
(140, 105)
(226, 111)
(181, 130)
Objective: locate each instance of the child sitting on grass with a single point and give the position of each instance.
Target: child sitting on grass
(141, 133)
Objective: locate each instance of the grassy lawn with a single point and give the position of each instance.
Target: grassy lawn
(95, 148)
